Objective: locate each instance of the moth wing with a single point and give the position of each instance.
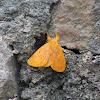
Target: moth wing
(40, 57)
(57, 59)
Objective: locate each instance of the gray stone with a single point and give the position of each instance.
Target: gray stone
(8, 82)
(94, 44)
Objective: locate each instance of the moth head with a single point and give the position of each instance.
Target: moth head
(55, 39)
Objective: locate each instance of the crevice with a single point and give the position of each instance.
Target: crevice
(76, 51)
(11, 47)
(25, 85)
(96, 58)
(17, 75)
(18, 67)
(96, 54)
(40, 41)
(51, 8)
(60, 87)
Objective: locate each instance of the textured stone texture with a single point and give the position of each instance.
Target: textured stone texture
(73, 21)
(8, 84)
(22, 26)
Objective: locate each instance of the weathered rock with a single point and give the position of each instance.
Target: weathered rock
(23, 24)
(8, 82)
(94, 44)
(73, 21)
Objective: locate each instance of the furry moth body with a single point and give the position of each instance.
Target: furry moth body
(50, 54)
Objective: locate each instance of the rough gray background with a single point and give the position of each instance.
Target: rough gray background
(23, 24)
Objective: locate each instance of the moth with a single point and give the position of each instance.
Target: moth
(50, 54)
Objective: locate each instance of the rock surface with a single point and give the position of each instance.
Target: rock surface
(73, 21)
(23, 25)
(8, 82)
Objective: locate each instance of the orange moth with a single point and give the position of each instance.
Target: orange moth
(50, 54)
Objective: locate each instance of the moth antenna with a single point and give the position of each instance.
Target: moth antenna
(57, 37)
(48, 37)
